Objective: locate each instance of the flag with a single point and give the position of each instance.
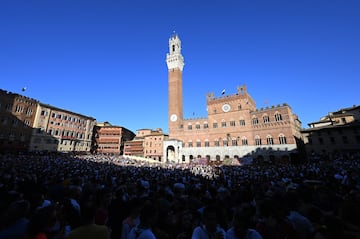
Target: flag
(223, 91)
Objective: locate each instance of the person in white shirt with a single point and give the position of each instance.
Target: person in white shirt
(303, 226)
(242, 223)
(133, 219)
(148, 217)
(209, 228)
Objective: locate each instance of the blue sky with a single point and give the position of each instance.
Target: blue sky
(106, 59)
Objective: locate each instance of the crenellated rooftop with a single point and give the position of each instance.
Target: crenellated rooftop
(272, 107)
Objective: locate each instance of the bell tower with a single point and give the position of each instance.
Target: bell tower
(175, 64)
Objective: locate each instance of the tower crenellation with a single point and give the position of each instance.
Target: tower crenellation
(174, 59)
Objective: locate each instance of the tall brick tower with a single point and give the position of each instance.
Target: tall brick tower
(175, 64)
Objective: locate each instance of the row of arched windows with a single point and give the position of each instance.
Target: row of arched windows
(266, 119)
(237, 141)
(240, 122)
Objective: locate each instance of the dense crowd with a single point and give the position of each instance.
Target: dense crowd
(63, 196)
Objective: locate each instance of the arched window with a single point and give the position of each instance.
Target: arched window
(233, 142)
(241, 122)
(207, 143)
(269, 140)
(225, 142)
(257, 140)
(223, 123)
(278, 117)
(215, 124)
(190, 144)
(244, 141)
(255, 121)
(282, 139)
(206, 125)
(266, 119)
(198, 143)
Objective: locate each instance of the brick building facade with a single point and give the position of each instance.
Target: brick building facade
(153, 144)
(147, 143)
(234, 127)
(57, 129)
(110, 139)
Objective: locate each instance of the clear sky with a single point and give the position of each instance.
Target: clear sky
(106, 58)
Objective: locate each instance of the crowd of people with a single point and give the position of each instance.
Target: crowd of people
(64, 196)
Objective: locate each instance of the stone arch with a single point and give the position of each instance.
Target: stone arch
(170, 153)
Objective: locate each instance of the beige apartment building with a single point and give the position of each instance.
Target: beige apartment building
(337, 132)
(61, 130)
(153, 144)
(233, 128)
(29, 125)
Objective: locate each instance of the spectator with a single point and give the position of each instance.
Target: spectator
(185, 225)
(243, 223)
(17, 220)
(133, 218)
(44, 224)
(302, 224)
(209, 228)
(89, 229)
(148, 218)
(273, 223)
